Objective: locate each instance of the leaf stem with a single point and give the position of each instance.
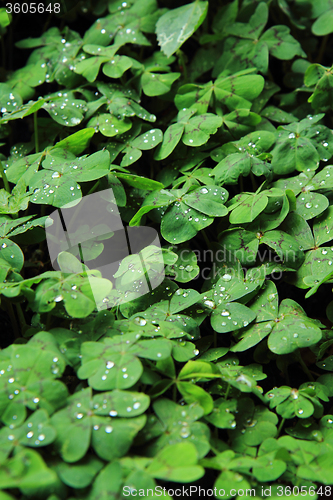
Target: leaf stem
(11, 313)
(182, 62)
(241, 184)
(36, 132)
(48, 321)
(4, 178)
(322, 49)
(21, 318)
(254, 184)
(93, 188)
(280, 427)
(227, 392)
(174, 393)
(305, 368)
(205, 237)
(3, 52)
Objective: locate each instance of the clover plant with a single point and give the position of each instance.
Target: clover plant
(210, 120)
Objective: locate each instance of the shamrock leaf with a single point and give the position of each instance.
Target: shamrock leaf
(177, 25)
(45, 362)
(57, 183)
(238, 52)
(254, 424)
(185, 417)
(193, 130)
(320, 79)
(115, 363)
(9, 100)
(177, 462)
(290, 402)
(235, 91)
(288, 326)
(83, 422)
(65, 109)
(36, 432)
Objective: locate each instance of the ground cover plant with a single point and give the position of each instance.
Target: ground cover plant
(211, 121)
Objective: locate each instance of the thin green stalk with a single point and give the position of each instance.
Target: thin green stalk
(174, 393)
(36, 132)
(205, 237)
(48, 321)
(3, 52)
(4, 178)
(241, 184)
(227, 392)
(9, 308)
(305, 369)
(94, 187)
(21, 318)
(180, 54)
(322, 49)
(254, 184)
(215, 339)
(280, 427)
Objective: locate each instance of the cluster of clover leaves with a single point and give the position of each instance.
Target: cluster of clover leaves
(210, 121)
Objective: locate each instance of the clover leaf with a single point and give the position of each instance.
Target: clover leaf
(238, 52)
(175, 26)
(115, 364)
(83, 421)
(192, 130)
(288, 326)
(185, 417)
(177, 462)
(202, 204)
(28, 373)
(56, 183)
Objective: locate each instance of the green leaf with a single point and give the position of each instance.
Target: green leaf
(114, 364)
(154, 84)
(193, 393)
(281, 44)
(109, 125)
(9, 100)
(293, 330)
(177, 25)
(293, 152)
(181, 223)
(228, 317)
(286, 247)
(65, 109)
(77, 426)
(117, 66)
(323, 24)
(248, 208)
(76, 143)
(178, 463)
(185, 268)
(222, 416)
(322, 78)
(186, 428)
(309, 205)
(57, 183)
(79, 474)
(26, 469)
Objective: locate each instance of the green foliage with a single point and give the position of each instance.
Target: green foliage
(211, 122)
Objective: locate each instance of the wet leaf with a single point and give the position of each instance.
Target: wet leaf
(177, 25)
